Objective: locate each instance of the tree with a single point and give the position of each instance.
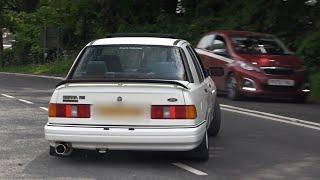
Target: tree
(9, 9)
(84, 20)
(3, 21)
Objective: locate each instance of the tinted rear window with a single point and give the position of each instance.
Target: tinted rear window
(114, 62)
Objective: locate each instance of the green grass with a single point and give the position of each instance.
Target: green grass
(315, 85)
(60, 67)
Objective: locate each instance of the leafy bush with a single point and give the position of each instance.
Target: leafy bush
(310, 50)
(315, 85)
(7, 57)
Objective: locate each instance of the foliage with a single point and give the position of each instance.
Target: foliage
(315, 85)
(309, 49)
(84, 20)
(7, 56)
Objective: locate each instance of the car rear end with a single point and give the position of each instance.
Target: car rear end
(126, 97)
(143, 119)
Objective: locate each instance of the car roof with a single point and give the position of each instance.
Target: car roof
(240, 33)
(136, 41)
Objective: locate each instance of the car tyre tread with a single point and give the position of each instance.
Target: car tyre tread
(200, 153)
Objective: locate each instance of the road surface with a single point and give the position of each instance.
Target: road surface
(259, 140)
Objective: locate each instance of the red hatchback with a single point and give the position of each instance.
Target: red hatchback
(255, 64)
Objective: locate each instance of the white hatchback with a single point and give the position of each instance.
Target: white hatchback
(135, 92)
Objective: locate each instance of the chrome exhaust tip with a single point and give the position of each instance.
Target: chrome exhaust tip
(63, 149)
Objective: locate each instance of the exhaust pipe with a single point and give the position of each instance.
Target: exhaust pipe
(63, 149)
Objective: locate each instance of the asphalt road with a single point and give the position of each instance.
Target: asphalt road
(260, 139)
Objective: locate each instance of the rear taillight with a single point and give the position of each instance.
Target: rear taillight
(173, 112)
(69, 110)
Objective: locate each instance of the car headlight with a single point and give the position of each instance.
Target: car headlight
(248, 66)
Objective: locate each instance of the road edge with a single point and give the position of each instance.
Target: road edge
(34, 75)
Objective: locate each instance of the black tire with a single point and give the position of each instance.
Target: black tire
(201, 152)
(215, 124)
(300, 99)
(232, 88)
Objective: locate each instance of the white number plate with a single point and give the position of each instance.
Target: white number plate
(281, 82)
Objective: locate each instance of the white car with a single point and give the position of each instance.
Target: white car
(135, 92)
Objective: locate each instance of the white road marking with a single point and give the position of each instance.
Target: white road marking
(44, 108)
(271, 115)
(33, 75)
(25, 101)
(272, 118)
(190, 169)
(6, 95)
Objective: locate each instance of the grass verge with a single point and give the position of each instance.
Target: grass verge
(315, 85)
(60, 67)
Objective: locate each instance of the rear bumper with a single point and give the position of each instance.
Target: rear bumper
(121, 138)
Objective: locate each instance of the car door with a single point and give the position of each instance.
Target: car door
(211, 54)
(203, 90)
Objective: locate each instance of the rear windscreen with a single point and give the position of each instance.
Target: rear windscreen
(113, 62)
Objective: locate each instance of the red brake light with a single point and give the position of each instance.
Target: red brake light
(83, 111)
(173, 112)
(156, 112)
(61, 110)
(69, 110)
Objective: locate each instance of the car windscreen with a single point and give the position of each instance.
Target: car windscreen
(125, 62)
(258, 45)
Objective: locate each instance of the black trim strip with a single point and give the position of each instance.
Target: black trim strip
(124, 126)
(76, 63)
(92, 42)
(196, 64)
(176, 41)
(199, 58)
(123, 80)
(186, 65)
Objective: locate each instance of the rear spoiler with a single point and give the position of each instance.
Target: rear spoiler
(125, 81)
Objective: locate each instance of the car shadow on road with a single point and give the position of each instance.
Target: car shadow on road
(85, 163)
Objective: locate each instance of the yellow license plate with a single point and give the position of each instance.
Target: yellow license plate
(116, 111)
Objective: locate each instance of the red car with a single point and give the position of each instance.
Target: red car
(255, 64)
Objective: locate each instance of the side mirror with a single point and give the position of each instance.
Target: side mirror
(215, 71)
(221, 52)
